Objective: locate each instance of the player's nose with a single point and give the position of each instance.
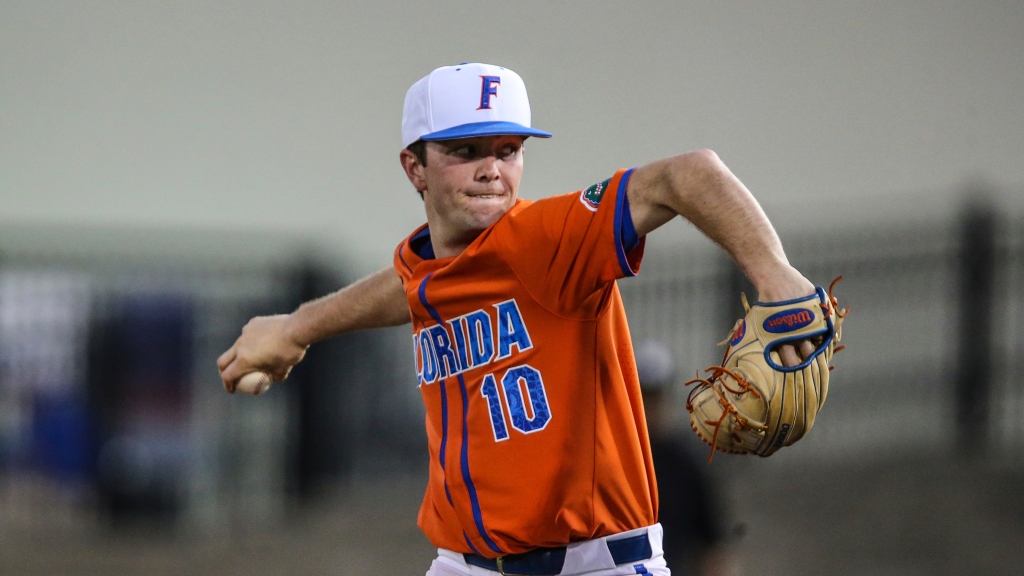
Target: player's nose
(487, 170)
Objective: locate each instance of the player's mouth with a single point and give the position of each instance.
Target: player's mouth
(488, 195)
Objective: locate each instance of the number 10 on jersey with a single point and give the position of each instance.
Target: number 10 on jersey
(522, 386)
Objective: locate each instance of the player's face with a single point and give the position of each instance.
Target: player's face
(470, 183)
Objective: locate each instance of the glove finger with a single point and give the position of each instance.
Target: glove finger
(811, 392)
(800, 414)
(780, 414)
(823, 378)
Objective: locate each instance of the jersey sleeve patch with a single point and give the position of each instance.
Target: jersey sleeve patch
(591, 197)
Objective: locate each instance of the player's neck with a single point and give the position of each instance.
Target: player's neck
(448, 245)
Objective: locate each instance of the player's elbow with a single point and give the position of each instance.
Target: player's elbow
(692, 171)
(696, 163)
(708, 159)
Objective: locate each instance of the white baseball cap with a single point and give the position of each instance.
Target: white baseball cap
(465, 101)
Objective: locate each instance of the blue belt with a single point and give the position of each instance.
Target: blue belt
(549, 561)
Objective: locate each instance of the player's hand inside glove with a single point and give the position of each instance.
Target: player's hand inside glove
(755, 402)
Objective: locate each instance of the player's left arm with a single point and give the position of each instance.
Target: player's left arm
(699, 187)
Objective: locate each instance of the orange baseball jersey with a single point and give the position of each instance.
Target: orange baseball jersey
(534, 419)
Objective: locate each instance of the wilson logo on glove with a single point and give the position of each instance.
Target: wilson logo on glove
(788, 320)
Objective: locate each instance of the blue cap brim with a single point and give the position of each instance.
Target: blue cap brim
(485, 129)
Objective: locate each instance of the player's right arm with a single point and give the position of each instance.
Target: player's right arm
(274, 344)
(699, 187)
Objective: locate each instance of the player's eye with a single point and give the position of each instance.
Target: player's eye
(467, 151)
(509, 151)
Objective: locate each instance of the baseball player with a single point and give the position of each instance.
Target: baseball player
(539, 456)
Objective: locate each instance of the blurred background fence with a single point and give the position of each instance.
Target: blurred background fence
(112, 414)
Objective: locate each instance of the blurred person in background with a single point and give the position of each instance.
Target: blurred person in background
(691, 511)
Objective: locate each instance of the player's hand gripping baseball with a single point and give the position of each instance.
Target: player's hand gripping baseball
(266, 345)
(787, 284)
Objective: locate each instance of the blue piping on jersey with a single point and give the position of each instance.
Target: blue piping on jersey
(444, 393)
(477, 515)
(473, 500)
(471, 547)
(402, 258)
(628, 230)
(620, 250)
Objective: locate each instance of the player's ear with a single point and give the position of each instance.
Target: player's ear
(414, 170)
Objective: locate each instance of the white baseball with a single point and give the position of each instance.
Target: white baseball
(255, 383)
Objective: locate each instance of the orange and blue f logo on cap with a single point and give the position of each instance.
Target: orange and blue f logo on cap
(488, 88)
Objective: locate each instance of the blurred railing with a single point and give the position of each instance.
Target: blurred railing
(1006, 405)
(924, 370)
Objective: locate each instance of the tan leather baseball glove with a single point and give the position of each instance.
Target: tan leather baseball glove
(754, 404)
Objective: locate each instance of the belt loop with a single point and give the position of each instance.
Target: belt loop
(501, 568)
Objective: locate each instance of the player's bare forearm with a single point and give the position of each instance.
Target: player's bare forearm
(699, 187)
(376, 301)
(274, 344)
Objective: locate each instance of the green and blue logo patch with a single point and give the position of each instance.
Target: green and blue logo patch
(591, 197)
